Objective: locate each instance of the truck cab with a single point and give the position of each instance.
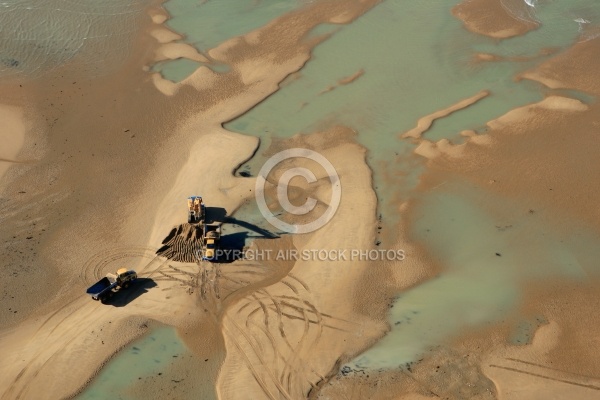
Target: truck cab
(209, 251)
(211, 237)
(125, 275)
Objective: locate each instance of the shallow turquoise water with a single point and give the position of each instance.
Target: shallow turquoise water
(206, 24)
(145, 358)
(410, 72)
(176, 70)
(488, 260)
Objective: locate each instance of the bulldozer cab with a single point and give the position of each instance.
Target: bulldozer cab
(194, 203)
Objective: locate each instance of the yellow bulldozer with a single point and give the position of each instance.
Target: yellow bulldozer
(196, 209)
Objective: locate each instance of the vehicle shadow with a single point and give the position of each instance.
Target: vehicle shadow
(263, 233)
(126, 296)
(215, 214)
(231, 246)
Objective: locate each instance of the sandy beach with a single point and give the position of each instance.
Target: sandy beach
(95, 170)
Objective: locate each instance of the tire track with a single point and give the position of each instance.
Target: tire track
(10, 208)
(322, 314)
(278, 311)
(96, 267)
(277, 354)
(265, 311)
(287, 371)
(304, 285)
(293, 369)
(253, 370)
(551, 368)
(258, 355)
(593, 387)
(76, 328)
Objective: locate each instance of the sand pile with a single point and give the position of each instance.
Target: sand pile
(184, 244)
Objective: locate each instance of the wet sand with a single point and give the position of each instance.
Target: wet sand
(12, 136)
(542, 157)
(494, 19)
(424, 123)
(539, 160)
(571, 69)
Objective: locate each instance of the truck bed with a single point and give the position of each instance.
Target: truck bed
(103, 285)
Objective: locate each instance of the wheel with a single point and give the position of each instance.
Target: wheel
(126, 285)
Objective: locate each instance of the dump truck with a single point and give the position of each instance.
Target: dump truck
(210, 237)
(196, 209)
(106, 287)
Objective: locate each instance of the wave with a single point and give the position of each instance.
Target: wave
(523, 10)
